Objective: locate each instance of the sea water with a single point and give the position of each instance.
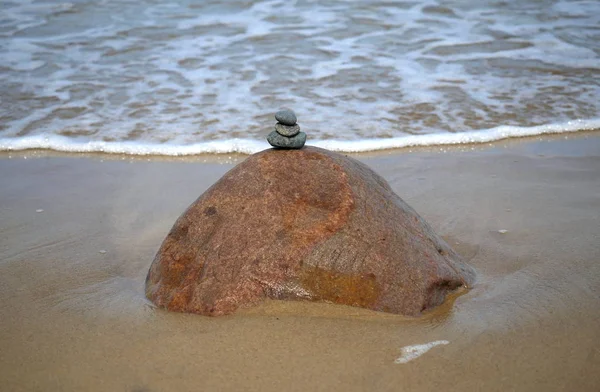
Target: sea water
(186, 77)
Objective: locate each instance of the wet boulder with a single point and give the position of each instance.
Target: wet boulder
(306, 224)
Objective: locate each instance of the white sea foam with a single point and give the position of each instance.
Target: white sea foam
(250, 146)
(415, 351)
(65, 144)
(473, 137)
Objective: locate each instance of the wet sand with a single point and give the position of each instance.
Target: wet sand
(73, 314)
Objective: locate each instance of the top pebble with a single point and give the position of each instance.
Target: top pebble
(286, 117)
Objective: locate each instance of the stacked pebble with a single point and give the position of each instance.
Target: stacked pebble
(287, 133)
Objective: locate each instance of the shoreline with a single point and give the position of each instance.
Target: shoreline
(73, 315)
(236, 157)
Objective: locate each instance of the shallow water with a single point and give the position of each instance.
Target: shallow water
(188, 77)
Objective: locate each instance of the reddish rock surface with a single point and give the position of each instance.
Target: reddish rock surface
(304, 224)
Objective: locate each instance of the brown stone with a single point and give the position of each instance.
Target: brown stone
(304, 224)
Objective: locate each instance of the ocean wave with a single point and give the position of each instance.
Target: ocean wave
(194, 72)
(250, 146)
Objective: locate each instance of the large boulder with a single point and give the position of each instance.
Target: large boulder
(304, 224)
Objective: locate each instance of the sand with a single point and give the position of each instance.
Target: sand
(78, 233)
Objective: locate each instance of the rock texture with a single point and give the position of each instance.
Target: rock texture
(304, 224)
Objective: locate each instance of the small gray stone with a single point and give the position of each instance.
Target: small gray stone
(294, 142)
(286, 117)
(287, 130)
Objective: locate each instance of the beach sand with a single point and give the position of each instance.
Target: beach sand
(78, 233)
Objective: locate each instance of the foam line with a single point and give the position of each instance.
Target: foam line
(250, 146)
(482, 136)
(64, 144)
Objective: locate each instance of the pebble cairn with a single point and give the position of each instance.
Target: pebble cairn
(287, 133)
